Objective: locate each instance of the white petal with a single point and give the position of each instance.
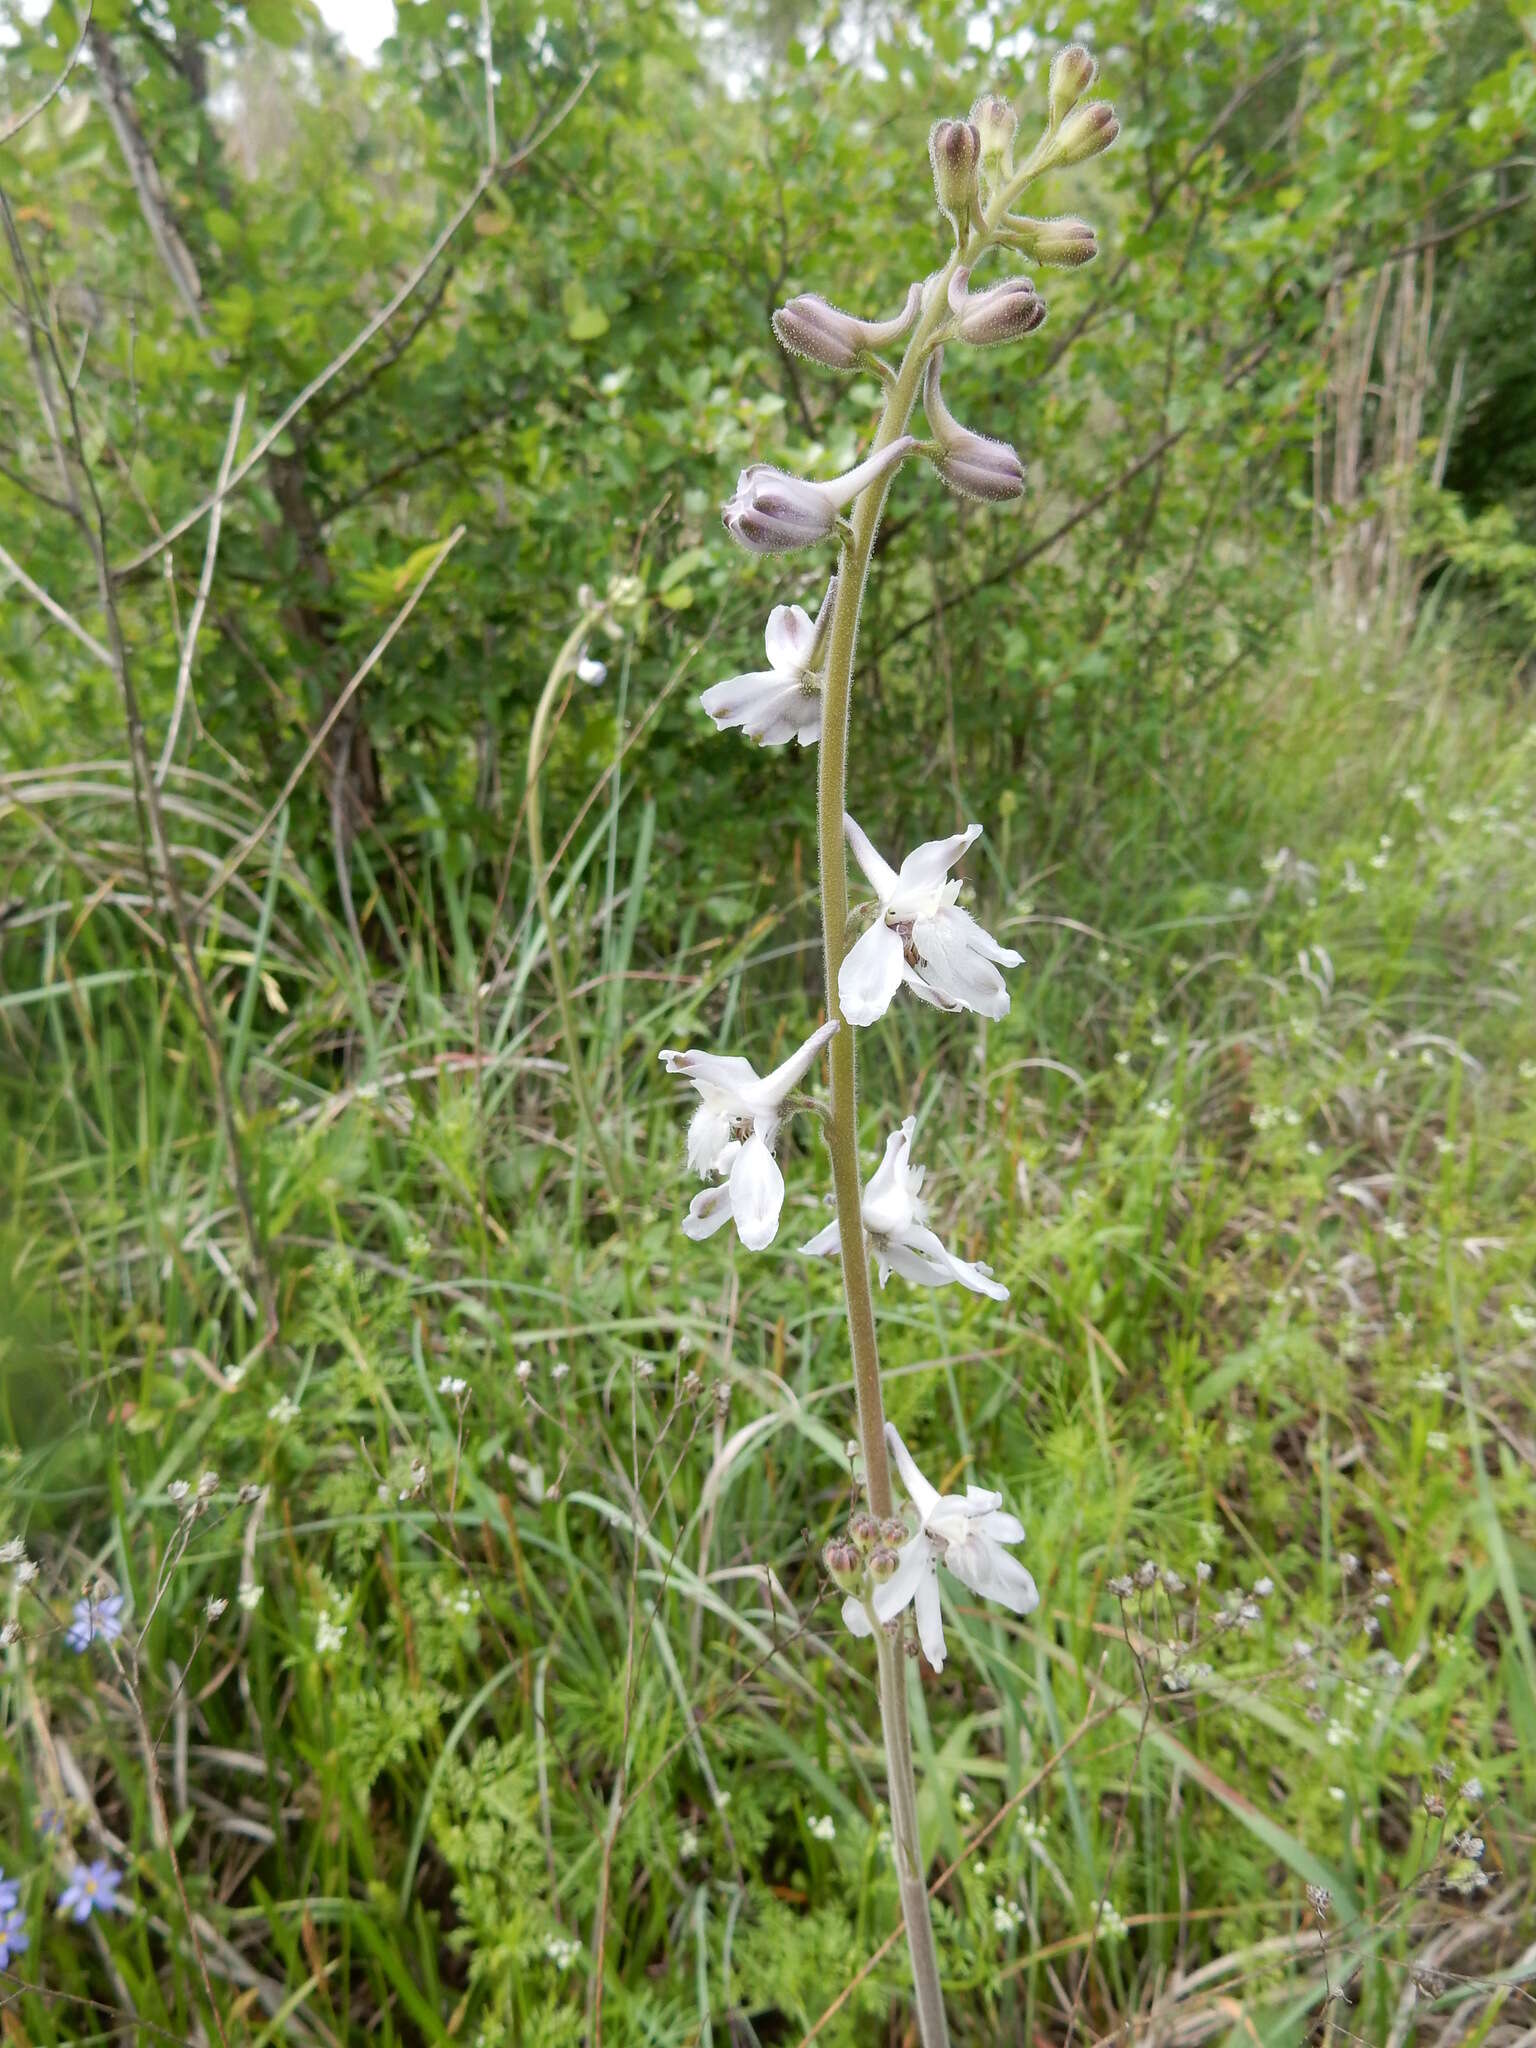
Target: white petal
(927, 865)
(979, 1502)
(926, 992)
(856, 1617)
(789, 640)
(708, 1212)
(773, 1087)
(923, 1497)
(769, 708)
(881, 878)
(918, 1240)
(913, 1264)
(709, 1135)
(723, 1079)
(914, 1563)
(827, 1239)
(889, 1199)
(757, 1194)
(993, 1574)
(930, 1619)
(870, 974)
(952, 964)
(1001, 1527)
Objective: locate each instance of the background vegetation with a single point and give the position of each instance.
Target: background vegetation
(528, 1719)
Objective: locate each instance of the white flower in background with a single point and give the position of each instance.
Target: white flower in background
(822, 1826)
(733, 1134)
(894, 1217)
(328, 1632)
(772, 511)
(921, 937)
(967, 1535)
(783, 701)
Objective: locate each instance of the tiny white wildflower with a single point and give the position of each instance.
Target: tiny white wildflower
(822, 1826)
(177, 1491)
(688, 1844)
(561, 1950)
(249, 1596)
(216, 1608)
(965, 1805)
(26, 1571)
(328, 1632)
(454, 1388)
(1111, 1922)
(1160, 1108)
(283, 1410)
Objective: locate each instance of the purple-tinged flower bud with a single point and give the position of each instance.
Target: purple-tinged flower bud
(894, 1533)
(844, 1565)
(1062, 244)
(1086, 132)
(954, 148)
(864, 1530)
(1004, 312)
(973, 465)
(809, 327)
(882, 1565)
(773, 512)
(1072, 72)
(995, 123)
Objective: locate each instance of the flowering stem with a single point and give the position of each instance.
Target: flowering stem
(842, 1135)
(537, 739)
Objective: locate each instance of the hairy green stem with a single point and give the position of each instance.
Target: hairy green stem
(842, 1135)
(537, 740)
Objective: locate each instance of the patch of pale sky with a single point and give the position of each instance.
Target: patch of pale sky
(361, 24)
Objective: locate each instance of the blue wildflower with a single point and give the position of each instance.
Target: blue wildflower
(10, 1893)
(92, 1888)
(95, 1618)
(13, 1934)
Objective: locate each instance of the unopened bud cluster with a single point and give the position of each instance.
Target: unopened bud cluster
(867, 1555)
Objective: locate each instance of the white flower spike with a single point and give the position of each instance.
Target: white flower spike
(921, 937)
(967, 1537)
(895, 1219)
(733, 1133)
(783, 701)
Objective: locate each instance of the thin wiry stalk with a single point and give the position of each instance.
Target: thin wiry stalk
(563, 664)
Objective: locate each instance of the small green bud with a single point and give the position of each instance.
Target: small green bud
(1072, 72)
(864, 1530)
(1086, 132)
(995, 123)
(882, 1565)
(1061, 244)
(954, 148)
(844, 1566)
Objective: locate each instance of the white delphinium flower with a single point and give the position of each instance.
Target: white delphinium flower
(733, 1134)
(783, 701)
(894, 1217)
(921, 937)
(968, 1536)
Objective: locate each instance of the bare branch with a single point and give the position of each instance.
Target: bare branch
(23, 120)
(56, 611)
(200, 603)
